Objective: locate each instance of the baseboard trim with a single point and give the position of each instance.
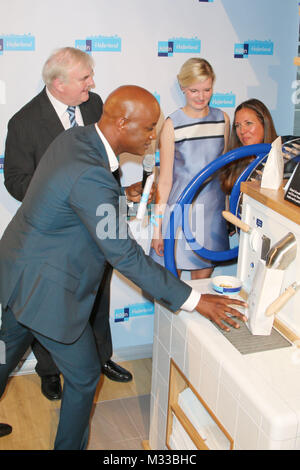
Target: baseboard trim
(27, 366)
(132, 353)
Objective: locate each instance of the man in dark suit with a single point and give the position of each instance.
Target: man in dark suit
(55, 249)
(68, 76)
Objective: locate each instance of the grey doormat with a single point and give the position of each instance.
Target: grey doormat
(247, 343)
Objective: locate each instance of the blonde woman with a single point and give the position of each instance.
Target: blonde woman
(192, 137)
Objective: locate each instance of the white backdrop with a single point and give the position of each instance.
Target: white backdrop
(145, 43)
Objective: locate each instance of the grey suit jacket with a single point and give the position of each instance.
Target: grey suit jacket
(30, 132)
(53, 252)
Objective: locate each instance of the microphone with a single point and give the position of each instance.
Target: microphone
(145, 196)
(148, 165)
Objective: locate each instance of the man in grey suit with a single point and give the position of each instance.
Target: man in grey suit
(68, 76)
(54, 252)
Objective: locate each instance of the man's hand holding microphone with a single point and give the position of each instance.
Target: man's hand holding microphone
(135, 191)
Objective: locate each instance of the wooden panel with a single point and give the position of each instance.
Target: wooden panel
(177, 383)
(146, 445)
(189, 428)
(285, 331)
(272, 199)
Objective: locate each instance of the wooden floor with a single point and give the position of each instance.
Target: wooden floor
(34, 418)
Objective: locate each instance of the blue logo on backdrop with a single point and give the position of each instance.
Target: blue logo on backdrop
(223, 100)
(178, 45)
(243, 50)
(17, 42)
(134, 310)
(1, 163)
(99, 44)
(206, 0)
(157, 96)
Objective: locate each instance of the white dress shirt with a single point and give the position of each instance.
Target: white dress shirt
(194, 297)
(112, 159)
(61, 110)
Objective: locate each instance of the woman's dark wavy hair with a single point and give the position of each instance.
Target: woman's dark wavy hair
(231, 172)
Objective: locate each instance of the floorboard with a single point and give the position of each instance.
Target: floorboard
(34, 418)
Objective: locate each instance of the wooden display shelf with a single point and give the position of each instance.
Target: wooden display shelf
(274, 199)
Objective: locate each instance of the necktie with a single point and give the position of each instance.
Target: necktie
(71, 112)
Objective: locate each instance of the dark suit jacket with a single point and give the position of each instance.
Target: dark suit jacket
(30, 132)
(54, 250)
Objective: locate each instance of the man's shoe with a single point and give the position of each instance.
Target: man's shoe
(5, 429)
(115, 372)
(51, 387)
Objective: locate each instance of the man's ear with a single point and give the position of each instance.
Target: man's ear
(121, 123)
(58, 85)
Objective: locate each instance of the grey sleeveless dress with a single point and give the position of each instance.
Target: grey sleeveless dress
(198, 141)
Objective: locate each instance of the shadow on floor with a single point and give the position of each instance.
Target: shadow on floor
(120, 424)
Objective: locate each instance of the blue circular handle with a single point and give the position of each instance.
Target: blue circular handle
(188, 194)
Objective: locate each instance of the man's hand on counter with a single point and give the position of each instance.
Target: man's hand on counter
(217, 307)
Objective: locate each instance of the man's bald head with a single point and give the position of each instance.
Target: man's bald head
(129, 100)
(130, 114)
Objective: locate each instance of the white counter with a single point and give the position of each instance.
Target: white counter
(255, 396)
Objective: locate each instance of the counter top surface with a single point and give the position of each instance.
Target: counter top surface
(271, 378)
(274, 199)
